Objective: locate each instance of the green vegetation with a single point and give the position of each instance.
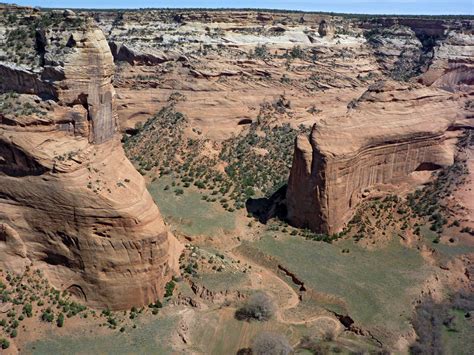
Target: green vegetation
(21, 45)
(60, 320)
(48, 315)
(150, 337)
(411, 60)
(248, 172)
(426, 203)
(169, 288)
(260, 52)
(376, 286)
(4, 343)
(221, 281)
(30, 296)
(12, 105)
(154, 307)
(28, 310)
(189, 213)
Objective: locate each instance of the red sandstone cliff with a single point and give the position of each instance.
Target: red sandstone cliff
(392, 132)
(70, 201)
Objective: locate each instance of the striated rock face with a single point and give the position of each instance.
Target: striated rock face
(77, 210)
(85, 217)
(20, 79)
(452, 66)
(76, 68)
(88, 72)
(370, 148)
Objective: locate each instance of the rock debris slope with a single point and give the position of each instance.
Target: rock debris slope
(70, 201)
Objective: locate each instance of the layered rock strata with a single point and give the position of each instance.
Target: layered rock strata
(390, 133)
(452, 66)
(70, 201)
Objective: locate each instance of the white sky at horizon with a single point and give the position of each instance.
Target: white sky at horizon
(407, 7)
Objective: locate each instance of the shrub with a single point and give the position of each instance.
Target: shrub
(169, 288)
(47, 315)
(259, 306)
(297, 52)
(261, 51)
(60, 320)
(270, 343)
(5, 344)
(106, 312)
(157, 304)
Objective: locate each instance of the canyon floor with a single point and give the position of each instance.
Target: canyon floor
(208, 107)
(375, 281)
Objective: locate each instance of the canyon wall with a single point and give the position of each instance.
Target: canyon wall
(71, 203)
(88, 72)
(392, 133)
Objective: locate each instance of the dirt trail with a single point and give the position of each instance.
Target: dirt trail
(268, 278)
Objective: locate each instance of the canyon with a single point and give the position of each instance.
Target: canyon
(158, 167)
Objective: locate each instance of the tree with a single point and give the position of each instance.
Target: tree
(60, 320)
(169, 288)
(4, 343)
(259, 306)
(47, 315)
(28, 310)
(267, 343)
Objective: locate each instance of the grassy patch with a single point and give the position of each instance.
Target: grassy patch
(461, 340)
(446, 251)
(188, 213)
(221, 333)
(149, 338)
(377, 286)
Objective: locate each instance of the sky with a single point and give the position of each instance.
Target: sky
(409, 7)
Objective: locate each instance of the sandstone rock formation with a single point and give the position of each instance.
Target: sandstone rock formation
(70, 201)
(398, 50)
(370, 148)
(452, 66)
(209, 57)
(88, 71)
(227, 67)
(326, 29)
